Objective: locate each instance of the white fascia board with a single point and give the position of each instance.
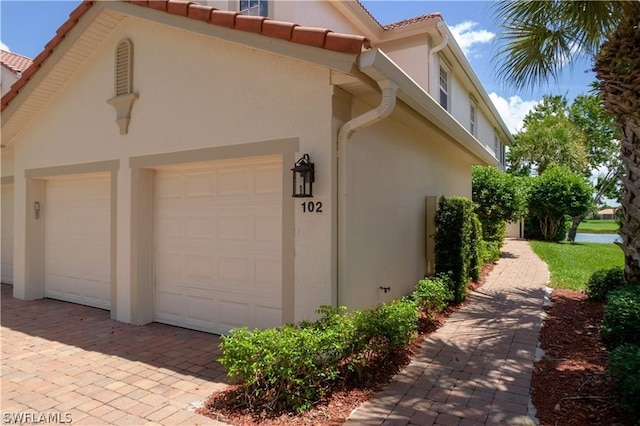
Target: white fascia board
(379, 66)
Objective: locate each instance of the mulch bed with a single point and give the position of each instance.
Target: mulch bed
(569, 385)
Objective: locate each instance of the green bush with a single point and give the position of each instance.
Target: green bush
(624, 366)
(491, 251)
(457, 243)
(433, 295)
(499, 197)
(290, 368)
(556, 193)
(621, 321)
(287, 367)
(604, 281)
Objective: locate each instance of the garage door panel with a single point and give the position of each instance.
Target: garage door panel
(212, 241)
(234, 182)
(199, 185)
(200, 267)
(77, 243)
(234, 226)
(268, 180)
(200, 227)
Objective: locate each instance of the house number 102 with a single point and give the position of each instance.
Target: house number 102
(311, 206)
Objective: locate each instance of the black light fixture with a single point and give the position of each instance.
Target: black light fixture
(303, 178)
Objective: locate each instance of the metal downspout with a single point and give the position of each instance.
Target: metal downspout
(387, 104)
(433, 71)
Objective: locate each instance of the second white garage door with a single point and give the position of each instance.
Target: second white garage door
(218, 244)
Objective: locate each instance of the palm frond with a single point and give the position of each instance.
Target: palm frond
(539, 38)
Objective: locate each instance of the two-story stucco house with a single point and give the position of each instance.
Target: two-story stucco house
(151, 147)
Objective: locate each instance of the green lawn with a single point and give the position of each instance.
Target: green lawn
(608, 226)
(571, 264)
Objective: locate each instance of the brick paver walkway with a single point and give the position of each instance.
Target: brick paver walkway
(69, 362)
(476, 369)
(60, 359)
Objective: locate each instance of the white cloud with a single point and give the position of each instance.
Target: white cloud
(468, 38)
(4, 47)
(512, 110)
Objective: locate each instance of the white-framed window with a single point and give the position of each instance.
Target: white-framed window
(444, 87)
(473, 117)
(254, 7)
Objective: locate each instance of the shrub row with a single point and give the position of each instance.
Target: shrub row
(620, 331)
(290, 368)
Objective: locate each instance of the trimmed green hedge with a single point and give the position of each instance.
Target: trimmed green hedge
(458, 243)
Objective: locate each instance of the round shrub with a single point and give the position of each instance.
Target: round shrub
(604, 281)
(621, 322)
(624, 366)
(433, 294)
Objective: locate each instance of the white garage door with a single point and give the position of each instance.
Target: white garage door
(77, 239)
(7, 234)
(218, 238)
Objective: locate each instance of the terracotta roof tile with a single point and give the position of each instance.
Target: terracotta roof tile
(310, 36)
(278, 29)
(252, 24)
(197, 11)
(178, 7)
(224, 18)
(157, 4)
(14, 62)
(318, 37)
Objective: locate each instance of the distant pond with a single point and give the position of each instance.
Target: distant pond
(597, 238)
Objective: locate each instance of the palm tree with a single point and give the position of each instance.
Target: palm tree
(539, 38)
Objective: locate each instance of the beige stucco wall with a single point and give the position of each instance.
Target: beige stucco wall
(195, 92)
(412, 55)
(391, 169)
(6, 165)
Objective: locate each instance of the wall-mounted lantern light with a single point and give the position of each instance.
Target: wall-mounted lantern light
(303, 178)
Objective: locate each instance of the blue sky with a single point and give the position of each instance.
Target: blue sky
(27, 25)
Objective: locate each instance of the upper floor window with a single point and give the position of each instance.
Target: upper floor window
(444, 88)
(254, 7)
(473, 116)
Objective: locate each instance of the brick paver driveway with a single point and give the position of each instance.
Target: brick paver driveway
(71, 362)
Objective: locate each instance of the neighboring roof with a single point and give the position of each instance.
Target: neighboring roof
(411, 21)
(403, 23)
(607, 211)
(288, 31)
(14, 62)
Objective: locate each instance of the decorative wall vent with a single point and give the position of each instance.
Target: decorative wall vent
(123, 85)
